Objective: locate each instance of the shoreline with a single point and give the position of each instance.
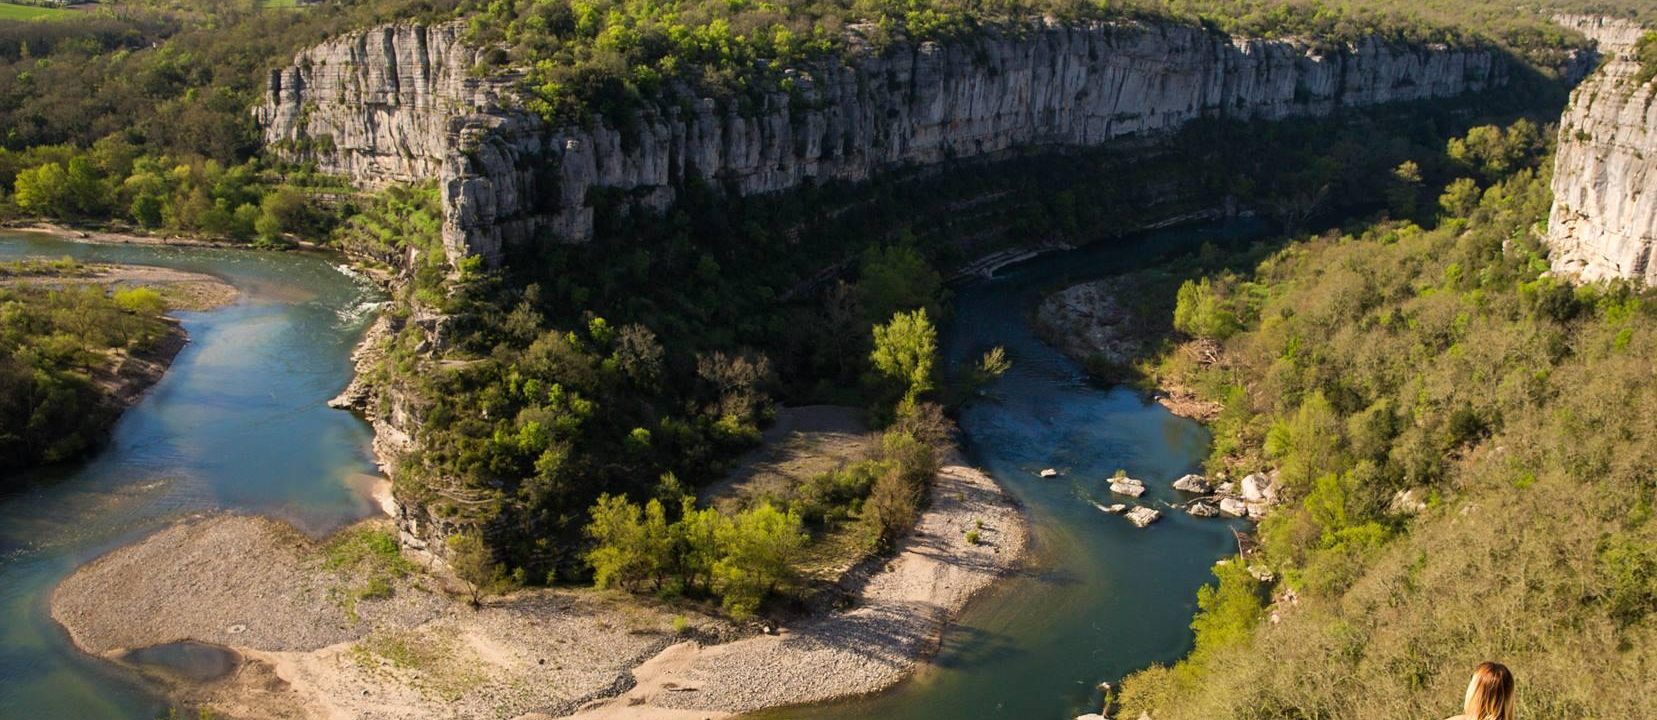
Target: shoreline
(129, 375)
(126, 236)
(610, 657)
(1088, 323)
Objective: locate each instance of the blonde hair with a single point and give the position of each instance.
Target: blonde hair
(1489, 693)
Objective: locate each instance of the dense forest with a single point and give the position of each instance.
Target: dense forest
(1467, 447)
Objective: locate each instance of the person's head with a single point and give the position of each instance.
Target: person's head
(1489, 693)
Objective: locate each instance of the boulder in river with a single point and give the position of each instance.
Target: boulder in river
(1233, 507)
(1127, 486)
(1116, 509)
(1142, 516)
(1202, 509)
(1254, 487)
(1049, 473)
(1193, 483)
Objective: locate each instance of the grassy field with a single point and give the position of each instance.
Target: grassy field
(11, 11)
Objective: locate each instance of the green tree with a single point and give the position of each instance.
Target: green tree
(474, 563)
(1307, 445)
(897, 278)
(140, 300)
(621, 551)
(1200, 310)
(1460, 197)
(280, 213)
(44, 190)
(761, 546)
(906, 350)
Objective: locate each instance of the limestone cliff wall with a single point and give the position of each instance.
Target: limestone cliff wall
(1604, 218)
(403, 102)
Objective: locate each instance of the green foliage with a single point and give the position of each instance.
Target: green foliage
(53, 341)
(615, 58)
(906, 349)
(909, 462)
(760, 547)
(1201, 312)
(1440, 361)
(368, 559)
(140, 300)
(1645, 52)
(740, 559)
(474, 564)
(895, 279)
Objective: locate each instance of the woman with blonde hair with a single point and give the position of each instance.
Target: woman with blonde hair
(1489, 694)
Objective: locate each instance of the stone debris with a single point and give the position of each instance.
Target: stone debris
(1203, 510)
(1193, 484)
(1254, 487)
(1127, 486)
(1049, 473)
(1143, 516)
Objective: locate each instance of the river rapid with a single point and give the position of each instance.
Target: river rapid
(239, 423)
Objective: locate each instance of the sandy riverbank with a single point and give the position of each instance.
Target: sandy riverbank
(262, 589)
(96, 235)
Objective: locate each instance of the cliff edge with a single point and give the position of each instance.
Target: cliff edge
(410, 102)
(1604, 221)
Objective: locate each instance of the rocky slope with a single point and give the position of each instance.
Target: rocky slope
(403, 103)
(1604, 222)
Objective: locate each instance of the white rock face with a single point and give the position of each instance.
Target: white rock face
(1604, 218)
(1127, 486)
(402, 103)
(1193, 484)
(1143, 516)
(1233, 507)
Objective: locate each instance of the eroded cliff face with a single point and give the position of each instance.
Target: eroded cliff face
(1604, 218)
(403, 103)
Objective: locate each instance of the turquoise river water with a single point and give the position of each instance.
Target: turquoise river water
(239, 423)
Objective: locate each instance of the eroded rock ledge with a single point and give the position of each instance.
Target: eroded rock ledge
(1604, 219)
(404, 103)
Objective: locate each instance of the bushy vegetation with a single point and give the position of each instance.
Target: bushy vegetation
(1645, 52)
(1443, 361)
(138, 111)
(58, 344)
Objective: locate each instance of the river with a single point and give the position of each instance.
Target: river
(239, 423)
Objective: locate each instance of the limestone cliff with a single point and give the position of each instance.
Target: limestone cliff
(1604, 219)
(403, 102)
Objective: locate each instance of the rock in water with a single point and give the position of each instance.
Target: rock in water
(1143, 516)
(1233, 507)
(1202, 510)
(1116, 509)
(1049, 473)
(1193, 484)
(1127, 486)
